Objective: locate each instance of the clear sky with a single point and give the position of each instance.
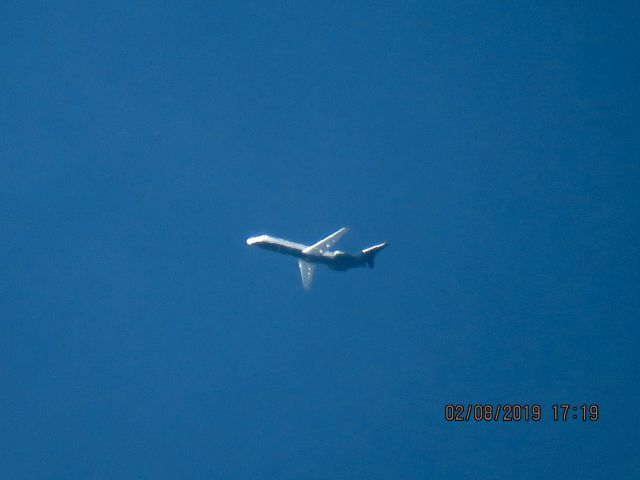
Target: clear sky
(494, 144)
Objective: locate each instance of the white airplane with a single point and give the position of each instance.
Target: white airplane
(310, 256)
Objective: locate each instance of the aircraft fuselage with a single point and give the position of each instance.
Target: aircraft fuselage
(335, 260)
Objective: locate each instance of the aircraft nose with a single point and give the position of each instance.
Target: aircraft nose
(254, 240)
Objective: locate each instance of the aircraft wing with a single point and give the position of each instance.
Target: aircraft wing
(306, 272)
(326, 243)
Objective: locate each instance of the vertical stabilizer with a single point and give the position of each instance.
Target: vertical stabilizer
(369, 254)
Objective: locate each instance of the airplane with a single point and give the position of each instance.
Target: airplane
(318, 253)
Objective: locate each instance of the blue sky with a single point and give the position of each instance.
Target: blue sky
(495, 146)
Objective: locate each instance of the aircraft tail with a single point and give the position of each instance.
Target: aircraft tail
(369, 254)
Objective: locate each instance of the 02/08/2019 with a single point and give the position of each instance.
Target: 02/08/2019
(496, 413)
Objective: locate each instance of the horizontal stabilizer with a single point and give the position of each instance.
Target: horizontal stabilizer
(375, 248)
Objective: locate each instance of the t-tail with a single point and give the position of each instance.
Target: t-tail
(369, 254)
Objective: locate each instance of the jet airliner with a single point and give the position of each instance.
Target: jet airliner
(318, 253)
